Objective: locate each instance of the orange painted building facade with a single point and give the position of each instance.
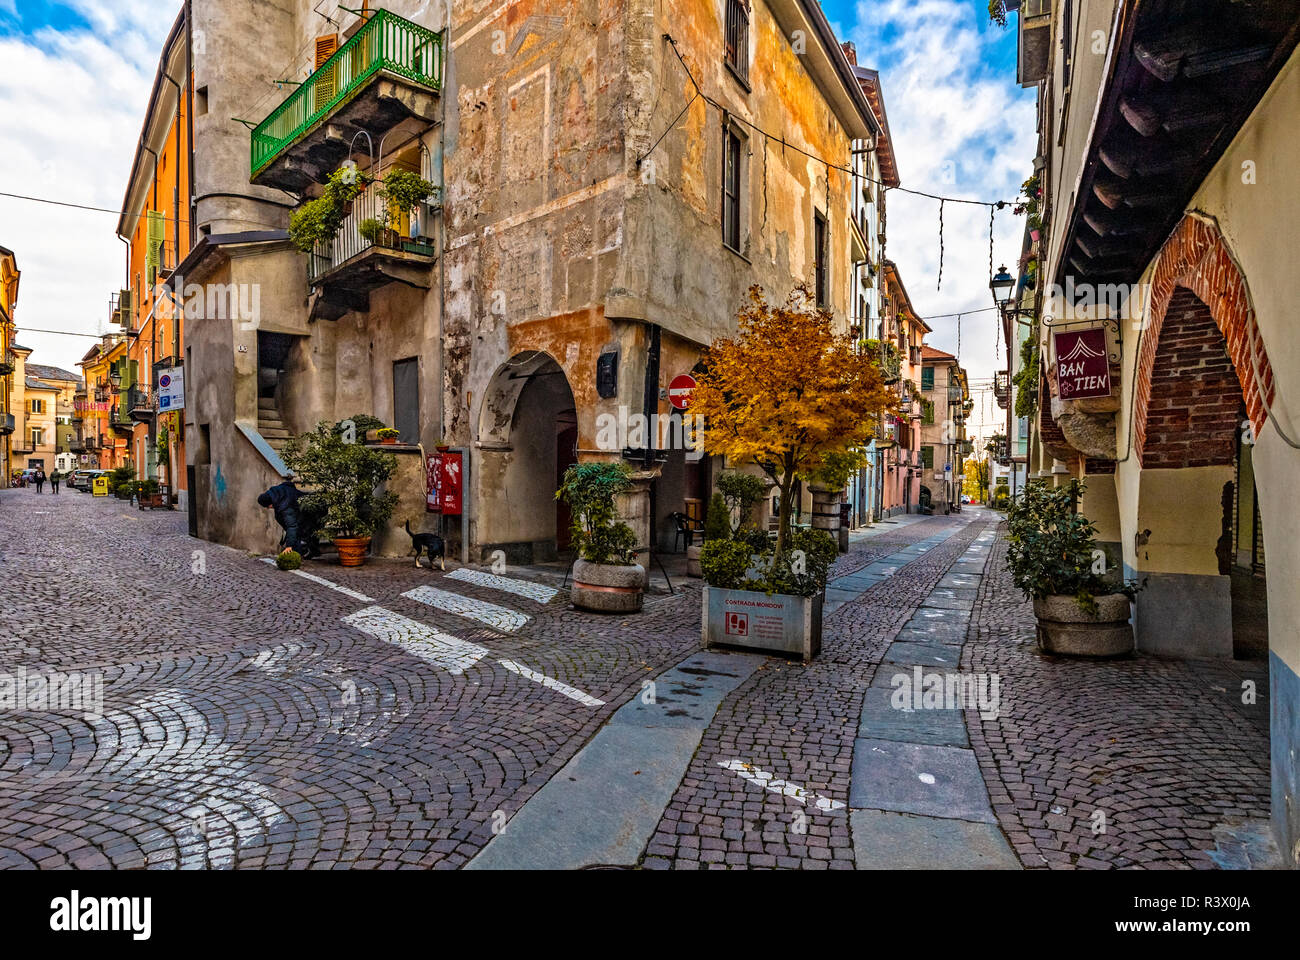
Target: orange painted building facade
(155, 225)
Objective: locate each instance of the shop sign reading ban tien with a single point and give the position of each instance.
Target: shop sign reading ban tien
(1082, 364)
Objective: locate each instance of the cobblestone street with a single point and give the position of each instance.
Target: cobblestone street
(388, 717)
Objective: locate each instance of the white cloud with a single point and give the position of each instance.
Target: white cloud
(960, 129)
(73, 102)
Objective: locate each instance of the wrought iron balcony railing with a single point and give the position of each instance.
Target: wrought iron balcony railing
(1001, 388)
(350, 241)
(385, 42)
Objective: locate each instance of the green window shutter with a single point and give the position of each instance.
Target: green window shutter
(927, 378)
(153, 243)
(927, 457)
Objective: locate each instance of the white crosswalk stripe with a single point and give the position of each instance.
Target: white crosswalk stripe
(499, 618)
(571, 692)
(440, 649)
(521, 588)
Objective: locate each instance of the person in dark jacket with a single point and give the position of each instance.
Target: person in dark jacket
(40, 480)
(55, 477)
(283, 499)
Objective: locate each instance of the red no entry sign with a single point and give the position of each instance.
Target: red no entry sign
(679, 391)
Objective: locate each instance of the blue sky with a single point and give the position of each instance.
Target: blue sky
(75, 76)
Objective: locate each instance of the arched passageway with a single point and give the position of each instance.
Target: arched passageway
(527, 437)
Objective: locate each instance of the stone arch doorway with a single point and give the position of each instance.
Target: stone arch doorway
(1202, 389)
(527, 438)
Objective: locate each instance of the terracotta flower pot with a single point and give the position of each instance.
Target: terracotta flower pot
(352, 550)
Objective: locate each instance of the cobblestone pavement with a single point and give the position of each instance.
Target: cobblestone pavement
(244, 724)
(797, 724)
(1134, 762)
(386, 717)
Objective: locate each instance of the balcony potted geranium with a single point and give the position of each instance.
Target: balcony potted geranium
(785, 394)
(606, 576)
(1054, 558)
(343, 479)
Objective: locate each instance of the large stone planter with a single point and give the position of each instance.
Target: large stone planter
(693, 561)
(607, 587)
(756, 621)
(1064, 628)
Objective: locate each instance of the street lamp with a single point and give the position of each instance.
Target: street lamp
(1001, 285)
(115, 378)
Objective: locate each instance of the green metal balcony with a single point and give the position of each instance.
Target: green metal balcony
(388, 72)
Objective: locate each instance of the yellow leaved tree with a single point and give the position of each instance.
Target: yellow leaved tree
(787, 393)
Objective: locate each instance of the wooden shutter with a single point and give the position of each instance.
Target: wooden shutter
(324, 80)
(155, 225)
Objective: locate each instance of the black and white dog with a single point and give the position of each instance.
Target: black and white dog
(430, 542)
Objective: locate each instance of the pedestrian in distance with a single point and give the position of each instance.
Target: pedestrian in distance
(55, 477)
(40, 480)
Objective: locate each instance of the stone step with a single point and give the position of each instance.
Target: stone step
(273, 433)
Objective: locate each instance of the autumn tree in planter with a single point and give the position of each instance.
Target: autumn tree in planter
(606, 576)
(344, 478)
(788, 394)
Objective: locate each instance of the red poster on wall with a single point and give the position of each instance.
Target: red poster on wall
(432, 463)
(1082, 366)
(444, 482)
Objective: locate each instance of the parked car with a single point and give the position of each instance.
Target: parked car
(965, 498)
(82, 479)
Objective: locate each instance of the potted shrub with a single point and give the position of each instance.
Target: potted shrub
(1053, 558)
(404, 191)
(717, 526)
(388, 435)
(606, 576)
(736, 496)
(827, 485)
(794, 398)
(759, 599)
(344, 479)
(288, 559)
(318, 220)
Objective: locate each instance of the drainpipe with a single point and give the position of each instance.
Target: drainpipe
(176, 209)
(189, 114)
(650, 406)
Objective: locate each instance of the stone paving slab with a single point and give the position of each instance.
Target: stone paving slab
(945, 602)
(943, 633)
(688, 694)
(904, 653)
(602, 807)
(935, 781)
(881, 720)
(885, 840)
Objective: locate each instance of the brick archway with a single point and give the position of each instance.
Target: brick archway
(1197, 258)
